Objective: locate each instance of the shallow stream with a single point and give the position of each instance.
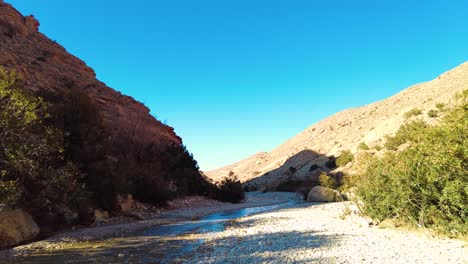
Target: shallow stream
(169, 243)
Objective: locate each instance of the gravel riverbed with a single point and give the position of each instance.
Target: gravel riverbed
(297, 233)
(319, 233)
(112, 240)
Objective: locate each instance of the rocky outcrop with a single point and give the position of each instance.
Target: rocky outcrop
(46, 66)
(323, 194)
(16, 227)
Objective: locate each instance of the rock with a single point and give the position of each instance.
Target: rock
(16, 227)
(100, 215)
(126, 204)
(323, 194)
(32, 22)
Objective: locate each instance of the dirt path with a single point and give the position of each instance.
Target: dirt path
(317, 234)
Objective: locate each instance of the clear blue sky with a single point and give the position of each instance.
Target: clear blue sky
(238, 77)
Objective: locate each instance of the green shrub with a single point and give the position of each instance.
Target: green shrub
(406, 133)
(230, 190)
(426, 184)
(440, 106)
(433, 113)
(363, 146)
(33, 171)
(345, 158)
(327, 181)
(413, 112)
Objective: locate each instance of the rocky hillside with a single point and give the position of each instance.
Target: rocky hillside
(298, 157)
(46, 65)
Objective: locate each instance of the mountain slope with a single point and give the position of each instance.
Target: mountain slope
(345, 131)
(47, 66)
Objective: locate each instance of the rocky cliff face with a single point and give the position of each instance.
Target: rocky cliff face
(299, 157)
(47, 66)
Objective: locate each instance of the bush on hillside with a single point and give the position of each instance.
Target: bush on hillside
(440, 106)
(433, 113)
(345, 158)
(425, 184)
(413, 112)
(326, 180)
(33, 171)
(406, 133)
(363, 146)
(230, 190)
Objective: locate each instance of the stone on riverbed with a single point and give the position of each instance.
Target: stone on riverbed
(323, 194)
(16, 227)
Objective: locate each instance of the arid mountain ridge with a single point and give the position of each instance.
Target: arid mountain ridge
(345, 131)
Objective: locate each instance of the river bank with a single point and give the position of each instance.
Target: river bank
(267, 228)
(106, 240)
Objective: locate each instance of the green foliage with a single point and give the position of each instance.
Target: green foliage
(345, 158)
(413, 112)
(34, 173)
(426, 184)
(326, 180)
(230, 190)
(363, 146)
(440, 106)
(433, 113)
(407, 133)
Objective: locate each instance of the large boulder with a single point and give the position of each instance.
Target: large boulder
(323, 194)
(16, 227)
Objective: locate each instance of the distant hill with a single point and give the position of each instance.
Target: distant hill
(300, 156)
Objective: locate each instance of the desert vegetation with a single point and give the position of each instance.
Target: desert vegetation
(424, 184)
(345, 158)
(413, 112)
(328, 181)
(363, 146)
(33, 170)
